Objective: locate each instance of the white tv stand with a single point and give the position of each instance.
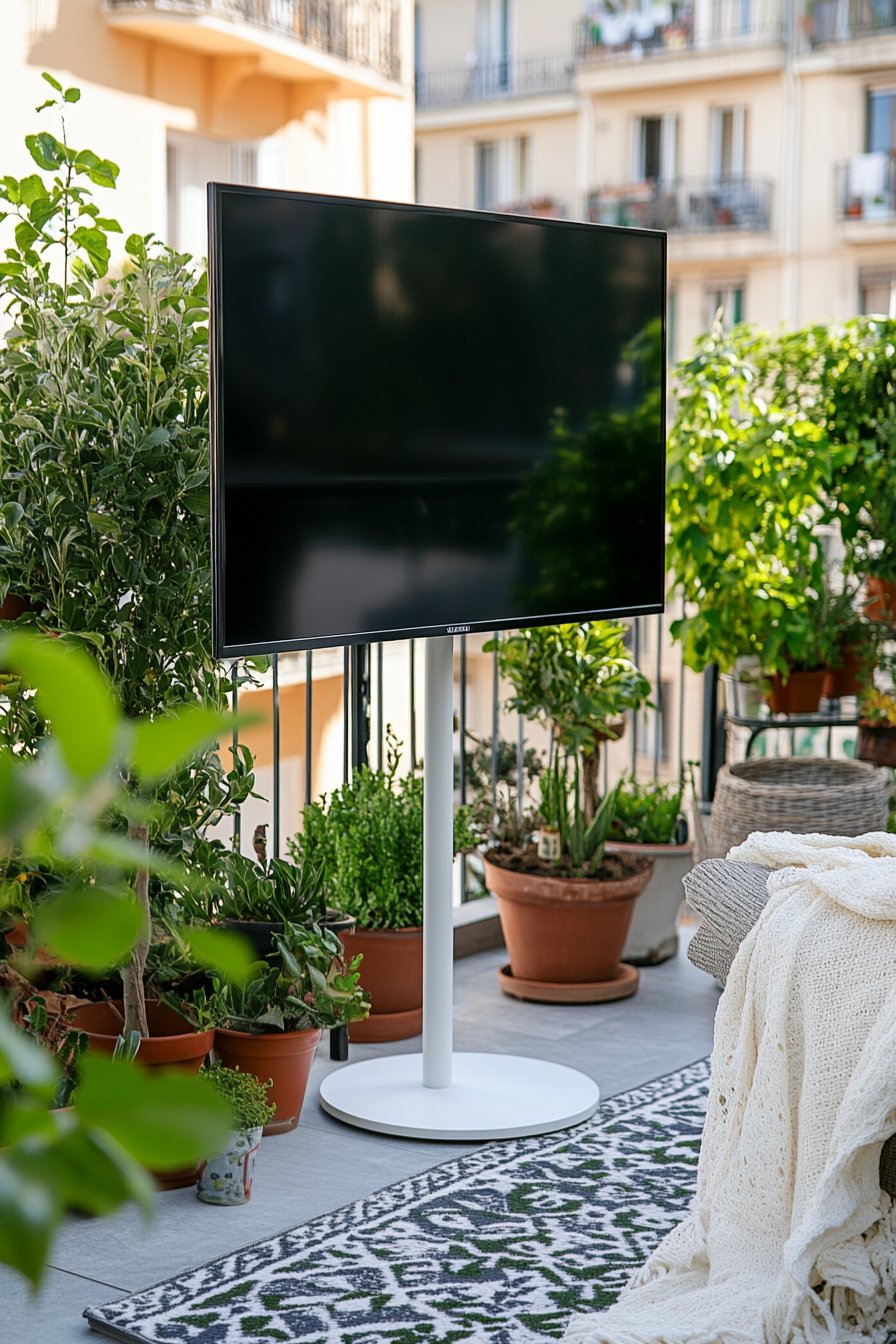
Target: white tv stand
(438, 1094)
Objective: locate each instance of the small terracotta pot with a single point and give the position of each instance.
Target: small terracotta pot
(564, 929)
(392, 974)
(283, 1056)
(12, 607)
(880, 600)
(847, 679)
(801, 695)
(171, 1040)
(877, 743)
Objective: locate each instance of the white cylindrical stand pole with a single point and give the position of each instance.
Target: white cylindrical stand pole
(438, 846)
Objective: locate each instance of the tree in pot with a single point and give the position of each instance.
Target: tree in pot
(226, 1178)
(271, 1024)
(648, 820)
(565, 912)
(366, 839)
(104, 454)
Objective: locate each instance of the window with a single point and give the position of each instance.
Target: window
(728, 142)
(493, 39)
(880, 121)
(502, 172)
(193, 162)
(877, 291)
(656, 148)
(730, 300)
(654, 725)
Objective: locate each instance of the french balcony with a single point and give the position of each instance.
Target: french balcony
(629, 32)
(687, 205)
(355, 47)
(865, 198)
(491, 81)
(832, 21)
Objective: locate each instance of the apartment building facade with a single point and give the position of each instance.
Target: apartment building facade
(309, 94)
(760, 133)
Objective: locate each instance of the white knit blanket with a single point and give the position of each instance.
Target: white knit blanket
(790, 1239)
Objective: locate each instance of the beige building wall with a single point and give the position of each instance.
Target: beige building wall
(158, 81)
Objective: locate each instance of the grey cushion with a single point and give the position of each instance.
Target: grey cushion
(729, 896)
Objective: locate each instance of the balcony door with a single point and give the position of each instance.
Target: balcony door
(880, 122)
(656, 148)
(728, 143)
(493, 19)
(193, 162)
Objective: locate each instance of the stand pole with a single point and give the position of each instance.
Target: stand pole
(438, 838)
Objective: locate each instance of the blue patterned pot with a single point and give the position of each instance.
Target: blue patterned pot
(227, 1178)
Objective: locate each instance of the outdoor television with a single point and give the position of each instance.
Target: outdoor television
(429, 421)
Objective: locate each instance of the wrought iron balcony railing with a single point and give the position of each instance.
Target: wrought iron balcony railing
(482, 81)
(841, 20)
(866, 187)
(366, 35)
(687, 205)
(629, 32)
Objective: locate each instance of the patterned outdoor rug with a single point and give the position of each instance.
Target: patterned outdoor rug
(500, 1247)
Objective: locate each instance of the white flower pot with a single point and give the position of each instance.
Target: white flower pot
(227, 1178)
(653, 933)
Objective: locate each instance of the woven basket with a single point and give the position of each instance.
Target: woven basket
(804, 794)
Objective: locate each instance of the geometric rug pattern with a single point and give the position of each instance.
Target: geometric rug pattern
(499, 1247)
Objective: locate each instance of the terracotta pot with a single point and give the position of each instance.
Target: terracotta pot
(847, 679)
(171, 1040)
(564, 930)
(877, 743)
(392, 973)
(283, 1056)
(880, 600)
(801, 695)
(12, 607)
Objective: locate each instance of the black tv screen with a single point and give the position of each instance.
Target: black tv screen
(427, 421)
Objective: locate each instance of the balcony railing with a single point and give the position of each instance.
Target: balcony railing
(687, 205)
(484, 81)
(630, 32)
(366, 35)
(866, 187)
(841, 20)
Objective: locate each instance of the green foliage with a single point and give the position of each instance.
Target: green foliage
(647, 814)
(582, 840)
(53, 811)
(509, 816)
(308, 985)
(366, 839)
(243, 1093)
(776, 437)
(278, 892)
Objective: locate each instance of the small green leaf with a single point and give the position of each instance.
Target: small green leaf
(72, 95)
(220, 950)
(105, 523)
(72, 694)
(163, 1118)
(102, 172)
(31, 189)
(46, 151)
(160, 744)
(25, 235)
(89, 927)
(24, 1061)
(53, 83)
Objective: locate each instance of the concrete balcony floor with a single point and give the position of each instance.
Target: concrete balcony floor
(324, 1164)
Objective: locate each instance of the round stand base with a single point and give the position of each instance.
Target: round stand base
(490, 1097)
(387, 1027)
(621, 986)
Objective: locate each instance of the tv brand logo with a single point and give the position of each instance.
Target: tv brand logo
(458, 630)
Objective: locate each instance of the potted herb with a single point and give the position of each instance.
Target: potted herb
(648, 820)
(565, 918)
(226, 1178)
(366, 839)
(877, 728)
(270, 1025)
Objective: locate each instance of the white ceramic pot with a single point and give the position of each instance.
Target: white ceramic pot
(653, 932)
(227, 1178)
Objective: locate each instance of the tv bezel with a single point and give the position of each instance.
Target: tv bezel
(216, 193)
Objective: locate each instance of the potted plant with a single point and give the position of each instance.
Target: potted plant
(877, 728)
(799, 648)
(270, 1025)
(565, 918)
(648, 820)
(226, 1178)
(853, 643)
(366, 839)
